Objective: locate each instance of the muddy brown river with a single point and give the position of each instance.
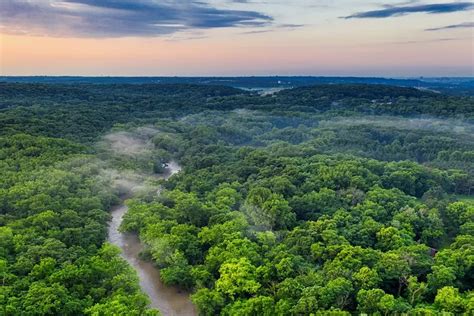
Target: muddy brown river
(170, 301)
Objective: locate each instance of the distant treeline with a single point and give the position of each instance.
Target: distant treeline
(87, 110)
(456, 86)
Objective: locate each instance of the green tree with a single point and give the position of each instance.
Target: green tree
(209, 302)
(268, 210)
(416, 290)
(367, 278)
(237, 277)
(448, 299)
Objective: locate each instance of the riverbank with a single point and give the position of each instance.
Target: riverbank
(170, 301)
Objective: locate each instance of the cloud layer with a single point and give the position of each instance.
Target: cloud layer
(118, 18)
(453, 26)
(390, 11)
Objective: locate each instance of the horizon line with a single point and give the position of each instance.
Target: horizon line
(237, 76)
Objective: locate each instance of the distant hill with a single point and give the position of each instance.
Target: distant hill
(457, 86)
(364, 91)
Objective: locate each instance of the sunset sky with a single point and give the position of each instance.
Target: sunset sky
(237, 37)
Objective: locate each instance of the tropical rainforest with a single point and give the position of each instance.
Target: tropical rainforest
(334, 199)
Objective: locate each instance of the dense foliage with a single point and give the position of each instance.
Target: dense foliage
(278, 232)
(53, 223)
(333, 197)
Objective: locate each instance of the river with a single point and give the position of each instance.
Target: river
(170, 301)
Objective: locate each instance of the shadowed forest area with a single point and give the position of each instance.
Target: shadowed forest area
(341, 198)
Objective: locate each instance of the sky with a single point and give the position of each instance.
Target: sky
(237, 37)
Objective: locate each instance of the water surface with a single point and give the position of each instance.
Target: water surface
(170, 301)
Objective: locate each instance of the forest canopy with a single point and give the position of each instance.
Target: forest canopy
(341, 198)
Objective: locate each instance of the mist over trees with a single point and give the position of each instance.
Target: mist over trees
(330, 198)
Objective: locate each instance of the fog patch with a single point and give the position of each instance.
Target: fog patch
(124, 182)
(429, 124)
(243, 112)
(125, 144)
(130, 162)
(129, 143)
